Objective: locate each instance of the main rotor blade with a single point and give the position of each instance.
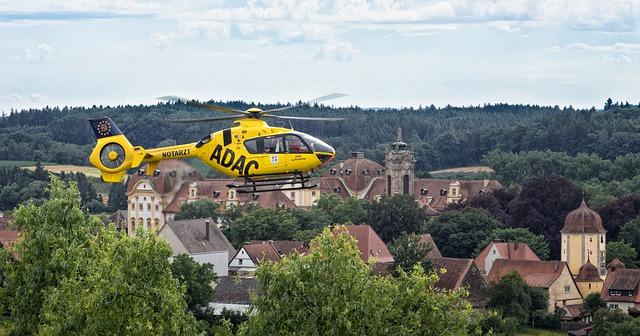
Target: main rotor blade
(188, 121)
(315, 100)
(301, 118)
(327, 97)
(193, 102)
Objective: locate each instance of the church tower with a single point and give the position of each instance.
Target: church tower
(400, 167)
(583, 240)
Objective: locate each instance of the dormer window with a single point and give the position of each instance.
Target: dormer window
(365, 172)
(337, 189)
(333, 171)
(348, 172)
(216, 193)
(255, 196)
(424, 191)
(443, 192)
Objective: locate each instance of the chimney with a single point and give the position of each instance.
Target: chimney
(206, 229)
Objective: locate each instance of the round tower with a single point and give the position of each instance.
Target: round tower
(588, 279)
(583, 238)
(400, 167)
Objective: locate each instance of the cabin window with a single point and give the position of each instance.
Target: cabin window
(295, 144)
(274, 145)
(316, 145)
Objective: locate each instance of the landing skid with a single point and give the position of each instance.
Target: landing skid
(264, 183)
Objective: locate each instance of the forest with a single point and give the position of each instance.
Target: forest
(441, 137)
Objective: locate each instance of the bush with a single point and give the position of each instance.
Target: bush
(511, 325)
(542, 319)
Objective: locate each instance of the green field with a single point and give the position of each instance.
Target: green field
(540, 332)
(4, 163)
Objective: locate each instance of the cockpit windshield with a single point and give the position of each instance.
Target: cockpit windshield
(316, 145)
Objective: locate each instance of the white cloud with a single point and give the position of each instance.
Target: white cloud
(338, 50)
(616, 47)
(37, 53)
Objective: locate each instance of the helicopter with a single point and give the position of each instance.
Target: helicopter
(265, 158)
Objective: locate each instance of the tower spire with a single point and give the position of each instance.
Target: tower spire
(399, 134)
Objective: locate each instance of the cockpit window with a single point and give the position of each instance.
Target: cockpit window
(317, 145)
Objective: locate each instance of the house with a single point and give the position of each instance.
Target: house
(434, 252)
(251, 254)
(621, 288)
(202, 240)
(371, 247)
(233, 294)
(119, 219)
(553, 276)
(462, 273)
(500, 250)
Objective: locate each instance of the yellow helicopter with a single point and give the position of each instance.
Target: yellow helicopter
(264, 157)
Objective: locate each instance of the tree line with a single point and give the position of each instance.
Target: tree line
(441, 137)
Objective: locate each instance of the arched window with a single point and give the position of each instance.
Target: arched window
(148, 223)
(156, 223)
(388, 185)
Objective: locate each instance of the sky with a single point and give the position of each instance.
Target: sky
(383, 53)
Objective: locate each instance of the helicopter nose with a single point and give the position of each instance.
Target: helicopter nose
(326, 156)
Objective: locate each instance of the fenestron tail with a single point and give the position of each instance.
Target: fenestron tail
(113, 154)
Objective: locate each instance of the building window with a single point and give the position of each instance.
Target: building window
(140, 206)
(148, 223)
(589, 286)
(157, 207)
(613, 305)
(156, 222)
(590, 240)
(567, 289)
(293, 195)
(239, 261)
(313, 193)
(149, 206)
(405, 184)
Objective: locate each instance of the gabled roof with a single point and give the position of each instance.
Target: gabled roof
(517, 251)
(8, 238)
(622, 279)
(583, 220)
(370, 244)
(536, 273)
(456, 271)
(192, 234)
(284, 247)
(234, 290)
(261, 251)
(426, 238)
(269, 199)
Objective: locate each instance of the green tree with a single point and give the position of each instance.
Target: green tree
(630, 233)
(457, 233)
(128, 290)
(408, 251)
(392, 216)
(614, 322)
(117, 196)
(197, 279)
(343, 211)
(511, 297)
(203, 208)
(262, 224)
(538, 243)
(592, 303)
(331, 291)
(54, 238)
(623, 251)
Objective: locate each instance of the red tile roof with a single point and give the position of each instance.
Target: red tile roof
(262, 251)
(172, 173)
(8, 238)
(356, 172)
(518, 251)
(622, 279)
(206, 190)
(456, 270)
(5, 220)
(583, 220)
(370, 244)
(536, 273)
(588, 273)
(434, 252)
(433, 188)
